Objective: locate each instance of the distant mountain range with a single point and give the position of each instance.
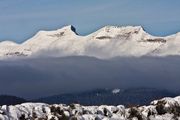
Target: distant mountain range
(108, 42)
(135, 96)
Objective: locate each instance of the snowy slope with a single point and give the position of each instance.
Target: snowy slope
(164, 109)
(108, 42)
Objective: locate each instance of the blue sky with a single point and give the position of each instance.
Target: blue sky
(21, 19)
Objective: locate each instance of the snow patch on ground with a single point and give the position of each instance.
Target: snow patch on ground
(163, 109)
(115, 91)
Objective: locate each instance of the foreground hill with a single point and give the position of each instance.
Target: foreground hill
(163, 109)
(107, 42)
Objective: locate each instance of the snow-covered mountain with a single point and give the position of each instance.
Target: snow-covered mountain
(108, 42)
(163, 109)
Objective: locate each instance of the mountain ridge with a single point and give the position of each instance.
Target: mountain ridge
(105, 43)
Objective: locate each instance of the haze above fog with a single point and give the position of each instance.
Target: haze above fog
(33, 78)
